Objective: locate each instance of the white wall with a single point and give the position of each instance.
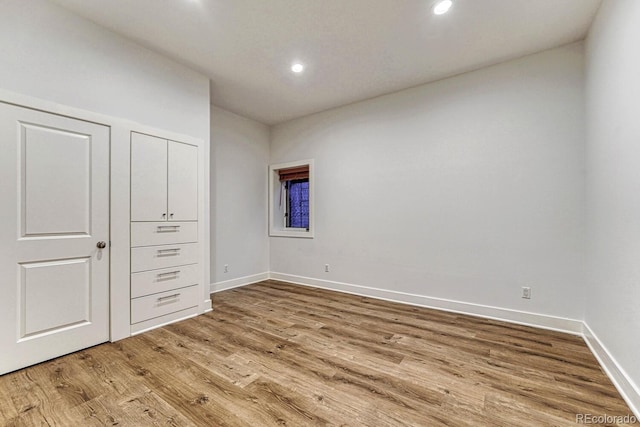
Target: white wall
(613, 184)
(240, 156)
(464, 189)
(49, 53)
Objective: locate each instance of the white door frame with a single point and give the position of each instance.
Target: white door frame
(120, 294)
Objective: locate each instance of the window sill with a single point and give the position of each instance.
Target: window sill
(303, 234)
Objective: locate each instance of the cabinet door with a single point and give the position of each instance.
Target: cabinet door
(148, 178)
(183, 182)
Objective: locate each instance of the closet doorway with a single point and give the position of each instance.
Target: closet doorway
(54, 235)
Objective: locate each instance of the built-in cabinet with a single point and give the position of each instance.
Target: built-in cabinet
(165, 250)
(164, 179)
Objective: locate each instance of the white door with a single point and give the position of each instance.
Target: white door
(148, 178)
(183, 182)
(54, 214)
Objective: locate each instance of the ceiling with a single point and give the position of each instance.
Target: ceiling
(352, 49)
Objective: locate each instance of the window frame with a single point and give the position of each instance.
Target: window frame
(277, 220)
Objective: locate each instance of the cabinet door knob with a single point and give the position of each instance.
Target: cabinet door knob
(101, 245)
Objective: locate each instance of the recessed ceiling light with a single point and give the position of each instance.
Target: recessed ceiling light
(442, 7)
(297, 67)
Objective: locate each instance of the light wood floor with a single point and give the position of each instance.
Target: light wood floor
(274, 354)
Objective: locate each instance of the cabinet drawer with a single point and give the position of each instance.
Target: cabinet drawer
(155, 257)
(163, 233)
(157, 305)
(155, 281)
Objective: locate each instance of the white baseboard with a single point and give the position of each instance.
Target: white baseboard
(236, 283)
(207, 305)
(560, 324)
(628, 389)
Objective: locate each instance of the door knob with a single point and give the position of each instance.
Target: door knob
(101, 245)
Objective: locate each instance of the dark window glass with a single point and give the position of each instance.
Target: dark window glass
(298, 203)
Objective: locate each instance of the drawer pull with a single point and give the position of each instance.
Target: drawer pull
(169, 252)
(168, 228)
(169, 273)
(160, 299)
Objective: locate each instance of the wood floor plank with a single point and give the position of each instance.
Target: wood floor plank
(130, 410)
(235, 373)
(197, 394)
(274, 354)
(35, 402)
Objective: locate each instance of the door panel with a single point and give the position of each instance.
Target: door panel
(183, 182)
(45, 286)
(55, 190)
(148, 178)
(54, 187)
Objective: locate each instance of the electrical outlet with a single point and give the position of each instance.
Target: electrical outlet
(226, 268)
(526, 292)
(326, 268)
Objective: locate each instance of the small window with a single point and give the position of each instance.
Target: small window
(290, 199)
